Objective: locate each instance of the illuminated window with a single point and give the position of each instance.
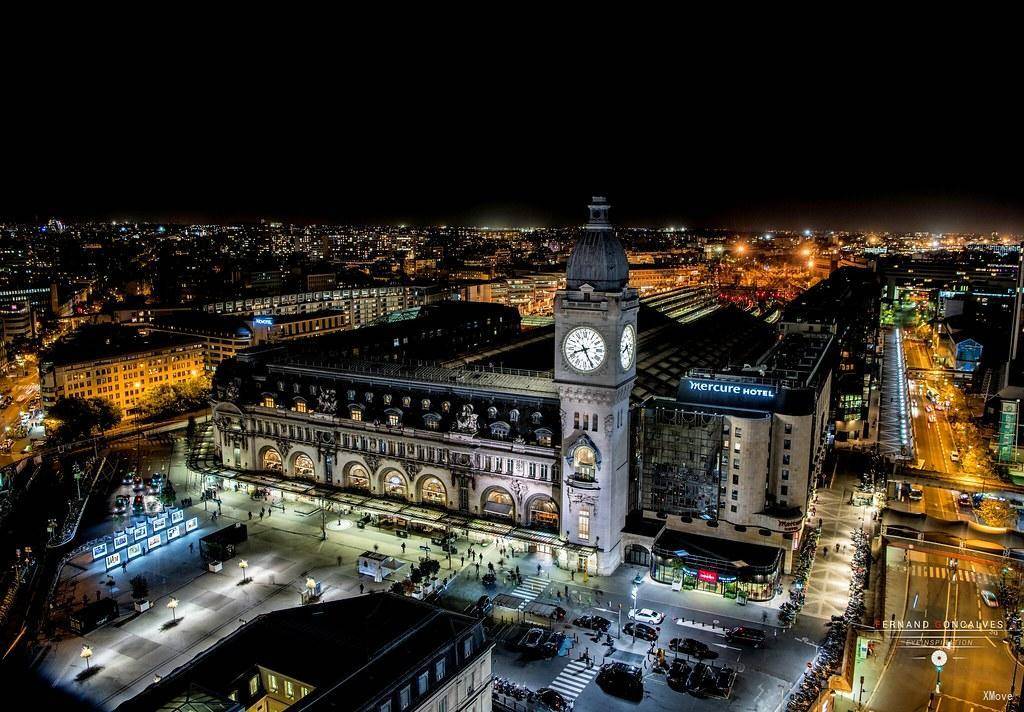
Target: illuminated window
(358, 477)
(585, 460)
(272, 682)
(304, 466)
(289, 688)
(272, 460)
(268, 401)
(395, 485)
(300, 406)
(356, 413)
(434, 492)
(584, 524)
(254, 685)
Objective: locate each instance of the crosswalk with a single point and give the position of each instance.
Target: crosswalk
(943, 572)
(530, 588)
(574, 677)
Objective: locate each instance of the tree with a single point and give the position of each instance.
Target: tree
(106, 415)
(996, 513)
(168, 400)
(140, 588)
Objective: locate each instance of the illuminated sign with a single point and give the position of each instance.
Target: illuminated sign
(141, 532)
(113, 560)
(154, 541)
(134, 550)
(734, 389)
(263, 321)
(99, 551)
(192, 524)
(176, 516)
(173, 532)
(707, 576)
(159, 523)
(120, 541)
(791, 525)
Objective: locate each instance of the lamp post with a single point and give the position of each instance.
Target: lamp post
(310, 587)
(243, 565)
(634, 594)
(85, 655)
(173, 604)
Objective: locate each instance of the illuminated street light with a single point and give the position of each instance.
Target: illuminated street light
(85, 655)
(173, 604)
(243, 565)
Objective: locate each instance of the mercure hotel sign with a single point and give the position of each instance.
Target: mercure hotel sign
(727, 393)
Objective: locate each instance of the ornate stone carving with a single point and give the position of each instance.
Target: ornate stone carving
(413, 469)
(373, 462)
(283, 446)
(327, 401)
(518, 489)
(466, 422)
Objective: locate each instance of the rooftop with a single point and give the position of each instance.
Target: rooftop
(99, 341)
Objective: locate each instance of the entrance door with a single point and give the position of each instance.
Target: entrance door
(581, 562)
(238, 457)
(463, 498)
(329, 469)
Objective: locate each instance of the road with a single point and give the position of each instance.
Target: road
(979, 664)
(22, 385)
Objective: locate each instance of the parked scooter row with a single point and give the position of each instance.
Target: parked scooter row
(830, 655)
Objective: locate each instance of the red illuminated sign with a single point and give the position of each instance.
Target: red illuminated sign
(708, 576)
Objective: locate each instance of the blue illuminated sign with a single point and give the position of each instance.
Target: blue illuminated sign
(263, 321)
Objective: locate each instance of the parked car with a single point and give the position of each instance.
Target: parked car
(533, 637)
(640, 630)
(488, 579)
(646, 615)
(698, 679)
(483, 606)
(598, 623)
(916, 495)
(990, 599)
(954, 456)
(554, 700)
(742, 634)
(678, 674)
(693, 648)
(965, 500)
(622, 680)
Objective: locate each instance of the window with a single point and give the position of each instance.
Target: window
(467, 647)
(736, 464)
(735, 479)
(785, 459)
(439, 669)
(735, 495)
(575, 421)
(272, 682)
(584, 524)
(785, 474)
(289, 688)
(268, 401)
(442, 704)
(356, 413)
(303, 691)
(300, 406)
(786, 444)
(254, 685)
(492, 412)
(385, 706)
(425, 404)
(368, 397)
(513, 415)
(732, 507)
(423, 682)
(393, 419)
(405, 697)
(739, 432)
(789, 428)
(584, 461)
(784, 490)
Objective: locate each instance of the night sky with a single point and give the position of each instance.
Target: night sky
(742, 167)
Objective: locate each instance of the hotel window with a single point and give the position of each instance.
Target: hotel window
(356, 413)
(735, 479)
(736, 464)
(423, 682)
(786, 444)
(785, 459)
(272, 682)
(785, 474)
(739, 431)
(300, 406)
(268, 401)
(289, 688)
(736, 447)
(735, 495)
(439, 669)
(405, 697)
(254, 685)
(789, 428)
(584, 524)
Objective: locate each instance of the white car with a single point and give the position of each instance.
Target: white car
(646, 615)
(989, 598)
(916, 495)
(954, 456)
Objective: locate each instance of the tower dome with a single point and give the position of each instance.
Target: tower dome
(597, 258)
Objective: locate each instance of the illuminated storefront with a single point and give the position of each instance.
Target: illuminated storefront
(693, 562)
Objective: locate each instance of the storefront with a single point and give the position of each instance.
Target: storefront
(731, 569)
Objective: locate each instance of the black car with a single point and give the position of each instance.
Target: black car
(598, 623)
(640, 630)
(553, 700)
(483, 605)
(693, 648)
(622, 680)
(488, 579)
(678, 674)
(751, 636)
(698, 679)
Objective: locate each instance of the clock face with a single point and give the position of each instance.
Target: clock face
(627, 347)
(584, 349)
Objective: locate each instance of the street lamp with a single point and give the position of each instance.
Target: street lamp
(173, 604)
(85, 655)
(243, 565)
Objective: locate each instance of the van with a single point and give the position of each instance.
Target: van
(750, 636)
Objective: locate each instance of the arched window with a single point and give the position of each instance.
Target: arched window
(584, 461)
(434, 492)
(304, 466)
(387, 399)
(394, 485)
(492, 412)
(543, 437)
(513, 415)
(425, 404)
(432, 421)
(350, 394)
(544, 513)
(446, 407)
(406, 401)
(355, 412)
(272, 460)
(368, 397)
(394, 416)
(467, 409)
(358, 477)
(500, 429)
(537, 418)
(300, 406)
(268, 401)
(498, 503)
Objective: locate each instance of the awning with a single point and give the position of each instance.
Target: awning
(500, 508)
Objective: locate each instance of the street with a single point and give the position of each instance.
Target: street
(22, 385)
(937, 598)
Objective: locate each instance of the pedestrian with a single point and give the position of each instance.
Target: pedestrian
(538, 569)
(339, 559)
(517, 571)
(403, 547)
(191, 548)
(462, 560)
(566, 590)
(250, 516)
(124, 567)
(572, 574)
(360, 589)
(270, 510)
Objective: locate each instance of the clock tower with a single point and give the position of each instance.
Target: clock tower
(595, 366)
